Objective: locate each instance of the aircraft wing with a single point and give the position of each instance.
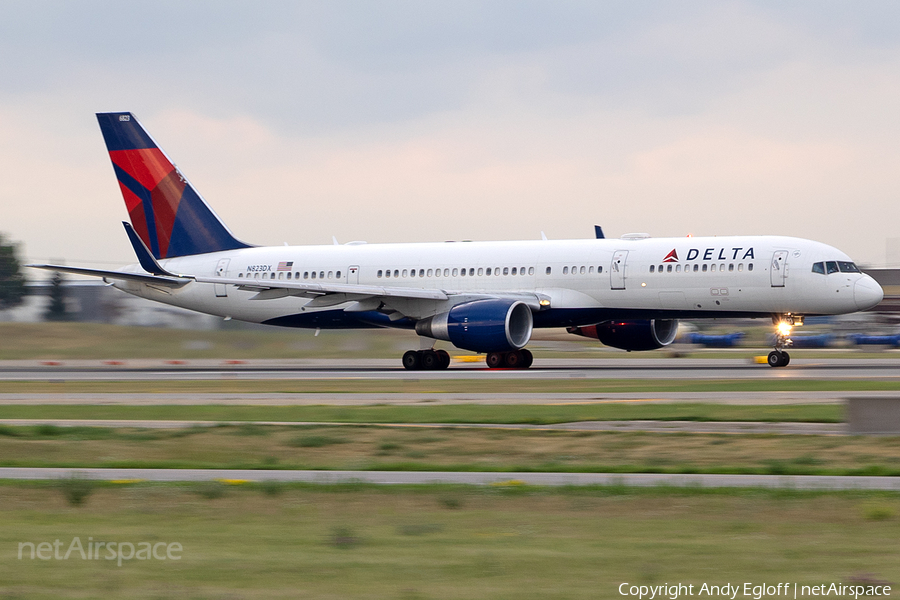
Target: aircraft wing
(117, 275)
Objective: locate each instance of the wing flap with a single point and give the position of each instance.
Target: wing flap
(326, 288)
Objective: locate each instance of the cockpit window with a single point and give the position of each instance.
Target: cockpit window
(831, 267)
(847, 267)
(819, 268)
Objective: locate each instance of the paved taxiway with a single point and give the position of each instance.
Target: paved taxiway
(383, 369)
(798, 482)
(724, 427)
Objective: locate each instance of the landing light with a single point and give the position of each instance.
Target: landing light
(545, 302)
(784, 328)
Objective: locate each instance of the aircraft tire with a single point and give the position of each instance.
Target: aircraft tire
(445, 358)
(411, 360)
(494, 360)
(430, 360)
(527, 358)
(513, 360)
(778, 358)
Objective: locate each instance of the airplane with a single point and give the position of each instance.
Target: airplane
(485, 297)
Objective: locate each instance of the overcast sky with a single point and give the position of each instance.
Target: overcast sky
(425, 121)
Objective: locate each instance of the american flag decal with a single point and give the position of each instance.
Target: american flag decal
(285, 266)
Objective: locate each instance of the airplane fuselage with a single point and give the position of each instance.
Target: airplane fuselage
(583, 281)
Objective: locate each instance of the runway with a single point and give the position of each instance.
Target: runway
(238, 476)
(885, 369)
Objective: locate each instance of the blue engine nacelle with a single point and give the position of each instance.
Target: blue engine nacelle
(482, 326)
(631, 335)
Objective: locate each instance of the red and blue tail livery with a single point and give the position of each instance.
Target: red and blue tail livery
(170, 217)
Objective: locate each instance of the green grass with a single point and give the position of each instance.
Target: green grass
(356, 541)
(351, 447)
(443, 413)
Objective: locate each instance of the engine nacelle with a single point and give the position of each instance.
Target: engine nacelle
(631, 335)
(482, 325)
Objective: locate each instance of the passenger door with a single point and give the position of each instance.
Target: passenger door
(617, 270)
(778, 268)
(222, 271)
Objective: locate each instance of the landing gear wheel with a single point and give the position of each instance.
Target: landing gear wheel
(411, 360)
(494, 360)
(445, 358)
(527, 358)
(430, 360)
(778, 358)
(512, 360)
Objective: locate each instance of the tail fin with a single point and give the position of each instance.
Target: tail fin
(170, 217)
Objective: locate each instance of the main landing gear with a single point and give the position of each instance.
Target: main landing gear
(518, 359)
(783, 326)
(426, 360)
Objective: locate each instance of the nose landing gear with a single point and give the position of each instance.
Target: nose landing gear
(783, 326)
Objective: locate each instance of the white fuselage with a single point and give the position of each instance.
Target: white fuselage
(582, 280)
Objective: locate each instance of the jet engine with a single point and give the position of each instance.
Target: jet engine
(493, 325)
(631, 335)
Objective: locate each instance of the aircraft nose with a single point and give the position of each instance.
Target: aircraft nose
(867, 293)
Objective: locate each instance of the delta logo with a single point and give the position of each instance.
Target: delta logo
(671, 257)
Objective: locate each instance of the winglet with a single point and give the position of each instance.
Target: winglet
(148, 263)
(598, 232)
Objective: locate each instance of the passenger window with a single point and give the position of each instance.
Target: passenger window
(599, 269)
(506, 270)
(386, 273)
(652, 268)
(696, 267)
(515, 271)
(446, 272)
(481, 271)
(531, 270)
(380, 273)
(548, 270)
(305, 274)
(722, 267)
(712, 268)
(396, 272)
(330, 274)
(289, 275)
(831, 267)
(847, 267)
(430, 272)
(704, 268)
(488, 272)
(668, 268)
(565, 270)
(730, 267)
(412, 272)
(581, 270)
(455, 272)
(313, 274)
(281, 275)
(591, 269)
(740, 267)
(678, 268)
(273, 276)
(750, 267)
(240, 275)
(421, 272)
(660, 269)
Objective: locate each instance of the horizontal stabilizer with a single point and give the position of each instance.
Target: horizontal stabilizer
(116, 275)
